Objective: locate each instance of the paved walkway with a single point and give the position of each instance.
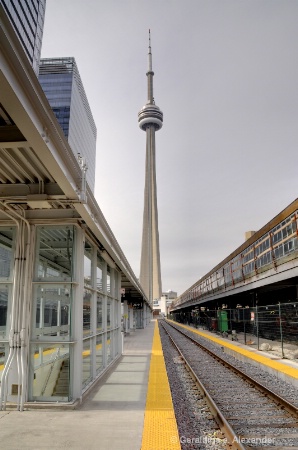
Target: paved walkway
(111, 418)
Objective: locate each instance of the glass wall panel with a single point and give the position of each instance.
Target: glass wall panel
(52, 311)
(49, 366)
(55, 251)
(109, 347)
(99, 313)
(108, 280)
(3, 310)
(6, 252)
(116, 284)
(116, 313)
(99, 269)
(86, 362)
(3, 356)
(98, 355)
(88, 263)
(116, 342)
(87, 309)
(109, 306)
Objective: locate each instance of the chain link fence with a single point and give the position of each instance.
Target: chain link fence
(271, 327)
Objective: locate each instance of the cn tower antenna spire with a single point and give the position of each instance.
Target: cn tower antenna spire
(150, 74)
(150, 120)
(149, 54)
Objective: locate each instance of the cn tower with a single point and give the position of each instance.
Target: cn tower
(150, 120)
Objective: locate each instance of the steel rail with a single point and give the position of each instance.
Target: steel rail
(220, 419)
(292, 409)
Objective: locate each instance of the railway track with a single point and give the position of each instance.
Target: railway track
(249, 414)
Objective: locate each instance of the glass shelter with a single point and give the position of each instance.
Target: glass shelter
(74, 325)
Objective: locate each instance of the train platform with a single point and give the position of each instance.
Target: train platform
(129, 409)
(283, 368)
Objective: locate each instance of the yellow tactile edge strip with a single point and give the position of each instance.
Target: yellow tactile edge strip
(160, 430)
(287, 370)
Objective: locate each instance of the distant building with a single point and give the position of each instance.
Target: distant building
(170, 295)
(27, 18)
(162, 305)
(248, 234)
(62, 84)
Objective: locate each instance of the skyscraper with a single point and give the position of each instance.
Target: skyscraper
(27, 18)
(150, 120)
(62, 84)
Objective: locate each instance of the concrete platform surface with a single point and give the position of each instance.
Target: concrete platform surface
(111, 417)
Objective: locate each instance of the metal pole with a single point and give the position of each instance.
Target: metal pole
(230, 312)
(244, 327)
(280, 329)
(257, 321)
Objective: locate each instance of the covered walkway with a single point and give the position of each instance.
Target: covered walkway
(111, 417)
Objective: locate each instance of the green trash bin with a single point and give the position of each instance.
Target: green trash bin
(222, 320)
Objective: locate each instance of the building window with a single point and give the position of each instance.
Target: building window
(99, 268)
(109, 347)
(109, 313)
(52, 309)
(99, 314)
(87, 366)
(55, 250)
(87, 307)
(52, 306)
(99, 355)
(88, 264)
(7, 236)
(108, 279)
(50, 372)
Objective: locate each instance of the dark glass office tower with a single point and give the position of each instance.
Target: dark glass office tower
(62, 84)
(27, 18)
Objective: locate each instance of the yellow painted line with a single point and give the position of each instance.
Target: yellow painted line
(280, 367)
(160, 430)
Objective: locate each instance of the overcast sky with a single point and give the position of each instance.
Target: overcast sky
(226, 74)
